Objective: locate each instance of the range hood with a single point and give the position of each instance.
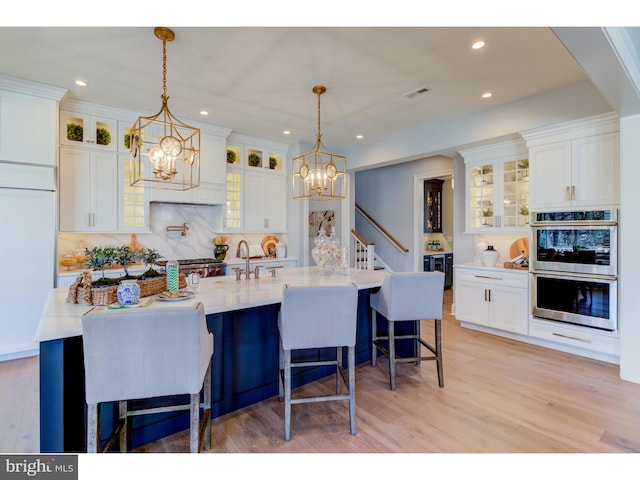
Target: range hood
(212, 194)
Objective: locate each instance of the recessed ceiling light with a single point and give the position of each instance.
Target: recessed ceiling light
(487, 95)
(286, 132)
(204, 113)
(359, 137)
(81, 83)
(478, 45)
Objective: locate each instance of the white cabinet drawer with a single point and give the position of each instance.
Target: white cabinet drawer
(574, 336)
(493, 276)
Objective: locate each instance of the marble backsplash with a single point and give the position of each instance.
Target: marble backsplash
(201, 223)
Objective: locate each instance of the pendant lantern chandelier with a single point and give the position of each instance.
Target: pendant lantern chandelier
(318, 174)
(165, 152)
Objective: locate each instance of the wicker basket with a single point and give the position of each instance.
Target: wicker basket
(100, 296)
(78, 293)
(155, 285)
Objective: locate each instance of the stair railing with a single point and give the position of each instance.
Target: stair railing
(365, 254)
(381, 229)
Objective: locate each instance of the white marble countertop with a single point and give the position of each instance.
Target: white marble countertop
(218, 294)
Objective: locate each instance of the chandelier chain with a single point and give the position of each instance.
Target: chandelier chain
(164, 68)
(319, 135)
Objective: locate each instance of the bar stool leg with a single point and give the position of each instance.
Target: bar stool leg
(392, 355)
(438, 335)
(374, 337)
(207, 408)
(122, 414)
(338, 363)
(281, 373)
(93, 428)
(287, 395)
(418, 345)
(352, 387)
(194, 425)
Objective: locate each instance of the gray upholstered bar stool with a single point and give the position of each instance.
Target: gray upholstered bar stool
(318, 317)
(408, 297)
(143, 353)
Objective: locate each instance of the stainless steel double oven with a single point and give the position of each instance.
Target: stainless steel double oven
(574, 267)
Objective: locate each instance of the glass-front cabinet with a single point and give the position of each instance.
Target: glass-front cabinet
(89, 131)
(497, 187)
(256, 188)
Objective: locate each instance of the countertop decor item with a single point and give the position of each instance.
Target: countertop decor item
(128, 292)
(268, 245)
(519, 247)
(490, 256)
(326, 253)
(220, 251)
(171, 147)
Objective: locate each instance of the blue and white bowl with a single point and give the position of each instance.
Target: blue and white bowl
(128, 292)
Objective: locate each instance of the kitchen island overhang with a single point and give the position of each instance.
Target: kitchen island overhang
(241, 314)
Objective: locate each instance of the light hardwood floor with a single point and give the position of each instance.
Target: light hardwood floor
(499, 396)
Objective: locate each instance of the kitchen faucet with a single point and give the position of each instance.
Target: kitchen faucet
(246, 268)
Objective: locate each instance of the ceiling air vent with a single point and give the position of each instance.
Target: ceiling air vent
(417, 92)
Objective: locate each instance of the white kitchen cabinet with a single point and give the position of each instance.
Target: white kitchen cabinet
(256, 186)
(88, 131)
(497, 188)
(575, 165)
(27, 129)
(493, 298)
(265, 202)
(88, 191)
(264, 158)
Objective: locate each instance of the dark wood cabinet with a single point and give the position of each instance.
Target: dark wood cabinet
(433, 205)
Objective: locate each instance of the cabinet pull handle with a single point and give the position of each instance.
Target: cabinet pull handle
(572, 338)
(566, 193)
(487, 276)
(489, 294)
(573, 192)
(485, 294)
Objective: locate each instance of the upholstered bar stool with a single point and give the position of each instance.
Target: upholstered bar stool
(144, 353)
(408, 297)
(318, 317)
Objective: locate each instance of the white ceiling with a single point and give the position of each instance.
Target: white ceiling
(258, 80)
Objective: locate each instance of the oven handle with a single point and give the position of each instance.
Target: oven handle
(553, 273)
(575, 223)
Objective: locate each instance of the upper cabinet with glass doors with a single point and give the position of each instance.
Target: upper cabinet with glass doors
(497, 187)
(88, 131)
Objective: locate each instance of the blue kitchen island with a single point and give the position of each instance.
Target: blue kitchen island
(241, 314)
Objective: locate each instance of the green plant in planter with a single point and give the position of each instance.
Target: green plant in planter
(127, 140)
(523, 164)
(231, 156)
(98, 259)
(273, 162)
(150, 256)
(254, 159)
(75, 132)
(103, 136)
(125, 257)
